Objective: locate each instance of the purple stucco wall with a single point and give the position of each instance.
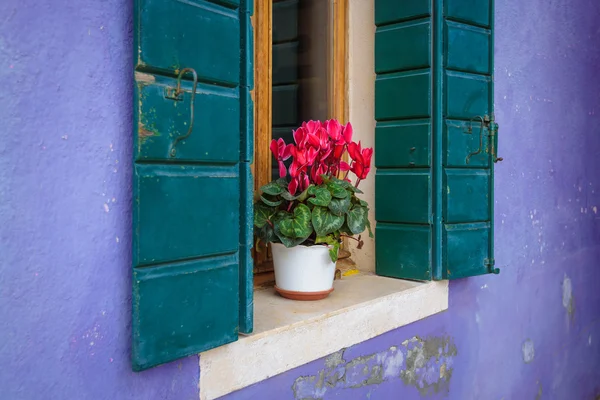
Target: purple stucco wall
(65, 206)
(65, 114)
(533, 332)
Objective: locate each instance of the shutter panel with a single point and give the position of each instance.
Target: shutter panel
(467, 140)
(435, 139)
(191, 196)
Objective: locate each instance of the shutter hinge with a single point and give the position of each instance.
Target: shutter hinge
(489, 264)
(492, 127)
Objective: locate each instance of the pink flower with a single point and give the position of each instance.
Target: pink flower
(334, 129)
(318, 150)
(293, 186)
(281, 153)
(347, 133)
(361, 164)
(316, 172)
(300, 137)
(300, 182)
(311, 126)
(338, 150)
(303, 157)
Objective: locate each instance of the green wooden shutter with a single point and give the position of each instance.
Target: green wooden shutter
(434, 106)
(192, 196)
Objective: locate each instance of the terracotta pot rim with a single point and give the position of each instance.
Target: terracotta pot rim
(303, 296)
(320, 246)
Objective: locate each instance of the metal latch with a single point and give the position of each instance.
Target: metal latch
(488, 123)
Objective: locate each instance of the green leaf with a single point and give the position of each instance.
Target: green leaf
(354, 189)
(336, 190)
(272, 188)
(257, 245)
(282, 182)
(344, 228)
(341, 182)
(326, 178)
(357, 219)
(369, 228)
(325, 222)
(288, 196)
(356, 200)
(280, 215)
(333, 244)
(329, 239)
(262, 213)
(334, 251)
(322, 239)
(266, 233)
(340, 206)
(299, 225)
(322, 196)
(272, 203)
(304, 194)
(287, 241)
(345, 184)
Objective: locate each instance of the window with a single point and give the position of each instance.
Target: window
(300, 75)
(435, 148)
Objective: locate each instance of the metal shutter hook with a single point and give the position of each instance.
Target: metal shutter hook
(480, 136)
(175, 96)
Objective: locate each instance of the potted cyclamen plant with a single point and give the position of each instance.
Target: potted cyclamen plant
(305, 215)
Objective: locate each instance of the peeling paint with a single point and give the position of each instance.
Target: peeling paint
(425, 364)
(567, 296)
(528, 351)
(145, 133)
(429, 364)
(143, 78)
(540, 391)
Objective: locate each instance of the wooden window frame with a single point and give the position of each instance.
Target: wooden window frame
(263, 62)
(338, 106)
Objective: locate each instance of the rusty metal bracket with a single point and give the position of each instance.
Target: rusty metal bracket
(177, 95)
(493, 139)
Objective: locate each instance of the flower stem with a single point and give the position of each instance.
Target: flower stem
(350, 237)
(347, 172)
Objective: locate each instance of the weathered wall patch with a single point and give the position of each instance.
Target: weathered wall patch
(425, 364)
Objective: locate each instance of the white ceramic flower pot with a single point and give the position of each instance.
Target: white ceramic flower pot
(303, 272)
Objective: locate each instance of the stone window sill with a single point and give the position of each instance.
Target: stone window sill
(288, 334)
